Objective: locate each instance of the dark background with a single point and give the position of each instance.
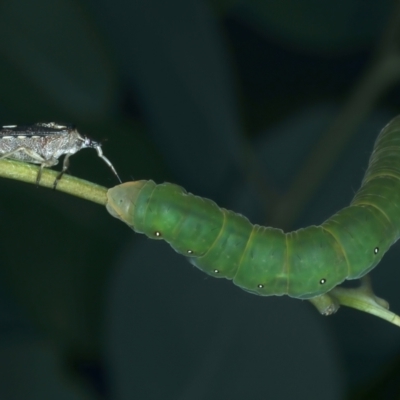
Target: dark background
(270, 108)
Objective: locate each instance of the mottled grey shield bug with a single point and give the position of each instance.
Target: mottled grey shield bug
(44, 144)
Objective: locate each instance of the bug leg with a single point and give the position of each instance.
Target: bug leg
(61, 173)
(35, 156)
(39, 174)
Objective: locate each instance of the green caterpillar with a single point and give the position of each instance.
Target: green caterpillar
(305, 264)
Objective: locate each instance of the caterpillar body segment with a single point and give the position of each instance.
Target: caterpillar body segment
(262, 260)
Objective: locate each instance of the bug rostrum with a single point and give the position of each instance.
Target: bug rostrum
(44, 144)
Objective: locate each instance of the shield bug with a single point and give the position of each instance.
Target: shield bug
(44, 144)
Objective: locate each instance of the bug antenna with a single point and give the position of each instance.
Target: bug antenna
(106, 160)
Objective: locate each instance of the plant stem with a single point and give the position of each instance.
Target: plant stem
(26, 172)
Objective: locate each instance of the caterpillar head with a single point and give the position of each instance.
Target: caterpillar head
(121, 200)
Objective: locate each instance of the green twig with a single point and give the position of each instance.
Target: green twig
(364, 299)
(68, 184)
